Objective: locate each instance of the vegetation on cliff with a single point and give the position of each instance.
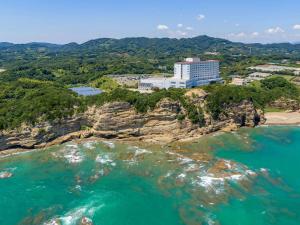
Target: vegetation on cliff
(269, 90)
(145, 102)
(105, 84)
(31, 101)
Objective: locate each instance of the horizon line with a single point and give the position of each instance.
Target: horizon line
(136, 37)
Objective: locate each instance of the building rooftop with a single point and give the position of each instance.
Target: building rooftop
(189, 63)
(86, 91)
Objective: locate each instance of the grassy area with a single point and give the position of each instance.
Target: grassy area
(271, 109)
(287, 77)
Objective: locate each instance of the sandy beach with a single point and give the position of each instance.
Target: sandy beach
(283, 118)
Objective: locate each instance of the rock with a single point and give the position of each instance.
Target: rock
(286, 104)
(120, 120)
(5, 174)
(230, 127)
(86, 221)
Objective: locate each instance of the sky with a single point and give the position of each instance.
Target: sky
(64, 21)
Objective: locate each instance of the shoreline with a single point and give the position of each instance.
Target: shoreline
(282, 118)
(272, 119)
(79, 138)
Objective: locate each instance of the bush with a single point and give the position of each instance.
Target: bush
(28, 101)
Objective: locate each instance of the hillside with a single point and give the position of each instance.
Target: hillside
(82, 63)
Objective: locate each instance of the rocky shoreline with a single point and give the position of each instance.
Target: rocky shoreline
(120, 121)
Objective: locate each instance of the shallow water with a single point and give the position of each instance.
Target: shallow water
(248, 177)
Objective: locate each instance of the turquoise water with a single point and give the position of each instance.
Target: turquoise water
(248, 177)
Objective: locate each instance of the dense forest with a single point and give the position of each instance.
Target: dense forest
(84, 63)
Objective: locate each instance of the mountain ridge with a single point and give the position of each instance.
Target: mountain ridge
(144, 39)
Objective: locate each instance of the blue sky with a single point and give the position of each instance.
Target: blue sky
(63, 21)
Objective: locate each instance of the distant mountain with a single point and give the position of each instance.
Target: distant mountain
(165, 45)
(6, 45)
(80, 63)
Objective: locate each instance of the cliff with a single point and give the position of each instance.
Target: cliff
(119, 120)
(286, 104)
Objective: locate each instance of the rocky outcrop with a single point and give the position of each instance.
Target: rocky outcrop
(28, 136)
(286, 104)
(120, 120)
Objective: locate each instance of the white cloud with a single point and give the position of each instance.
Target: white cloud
(162, 27)
(296, 27)
(181, 33)
(275, 30)
(240, 35)
(243, 35)
(237, 24)
(189, 28)
(200, 17)
(180, 25)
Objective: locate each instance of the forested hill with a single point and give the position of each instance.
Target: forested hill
(155, 46)
(81, 63)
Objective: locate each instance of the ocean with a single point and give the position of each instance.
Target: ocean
(246, 177)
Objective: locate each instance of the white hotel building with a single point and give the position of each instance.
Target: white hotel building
(191, 73)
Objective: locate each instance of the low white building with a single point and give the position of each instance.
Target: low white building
(275, 68)
(258, 76)
(191, 73)
(239, 81)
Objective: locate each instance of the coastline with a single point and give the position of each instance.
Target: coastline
(282, 118)
(84, 136)
(272, 119)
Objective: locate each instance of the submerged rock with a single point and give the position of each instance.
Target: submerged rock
(5, 174)
(86, 221)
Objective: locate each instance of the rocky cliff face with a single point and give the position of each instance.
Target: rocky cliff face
(286, 104)
(28, 137)
(120, 120)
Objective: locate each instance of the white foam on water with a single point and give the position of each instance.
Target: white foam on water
(168, 174)
(53, 222)
(109, 144)
(185, 160)
(181, 176)
(193, 167)
(78, 187)
(70, 145)
(72, 217)
(105, 160)
(70, 153)
(209, 220)
(217, 184)
(5, 174)
(90, 145)
(228, 164)
(139, 151)
(264, 170)
(73, 156)
(236, 177)
(182, 159)
(75, 215)
(210, 181)
(18, 153)
(250, 173)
